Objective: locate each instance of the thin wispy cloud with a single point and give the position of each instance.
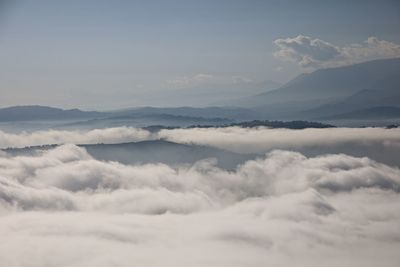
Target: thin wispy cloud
(203, 79)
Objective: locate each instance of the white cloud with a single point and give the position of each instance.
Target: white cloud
(378, 143)
(305, 51)
(237, 139)
(189, 81)
(64, 208)
(107, 135)
(315, 53)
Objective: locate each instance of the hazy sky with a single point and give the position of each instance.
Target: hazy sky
(110, 54)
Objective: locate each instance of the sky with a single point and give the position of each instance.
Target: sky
(116, 54)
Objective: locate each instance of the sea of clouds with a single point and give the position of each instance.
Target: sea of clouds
(62, 207)
(379, 144)
(248, 140)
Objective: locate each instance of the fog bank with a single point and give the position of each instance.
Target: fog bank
(64, 208)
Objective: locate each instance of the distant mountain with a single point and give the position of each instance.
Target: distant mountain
(283, 124)
(365, 83)
(49, 117)
(231, 113)
(322, 93)
(32, 113)
(295, 125)
(367, 114)
(385, 92)
(144, 119)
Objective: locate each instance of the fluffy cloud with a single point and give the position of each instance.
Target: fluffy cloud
(306, 51)
(315, 53)
(68, 173)
(64, 208)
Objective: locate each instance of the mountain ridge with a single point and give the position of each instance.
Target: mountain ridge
(327, 87)
(38, 112)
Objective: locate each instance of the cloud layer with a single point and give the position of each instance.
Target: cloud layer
(107, 135)
(68, 178)
(377, 143)
(380, 144)
(315, 53)
(64, 208)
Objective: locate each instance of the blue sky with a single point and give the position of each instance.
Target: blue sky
(107, 54)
